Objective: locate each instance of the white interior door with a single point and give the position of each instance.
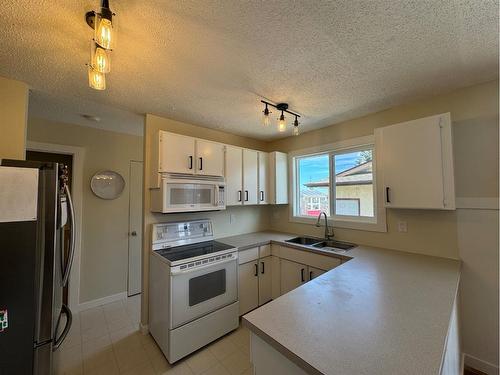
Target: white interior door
(135, 229)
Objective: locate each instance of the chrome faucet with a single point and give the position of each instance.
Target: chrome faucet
(328, 230)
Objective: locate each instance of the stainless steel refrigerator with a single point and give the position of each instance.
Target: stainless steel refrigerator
(35, 204)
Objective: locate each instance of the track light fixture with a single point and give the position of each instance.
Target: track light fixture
(283, 107)
(101, 45)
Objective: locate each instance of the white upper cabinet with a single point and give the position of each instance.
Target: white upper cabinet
(415, 160)
(278, 178)
(263, 179)
(234, 176)
(209, 158)
(250, 176)
(176, 153)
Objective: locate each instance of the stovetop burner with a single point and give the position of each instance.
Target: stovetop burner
(178, 253)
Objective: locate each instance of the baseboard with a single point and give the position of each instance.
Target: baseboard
(101, 301)
(144, 328)
(479, 364)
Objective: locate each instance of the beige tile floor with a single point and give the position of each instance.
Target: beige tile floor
(106, 340)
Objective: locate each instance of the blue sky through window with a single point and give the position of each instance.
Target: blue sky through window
(315, 168)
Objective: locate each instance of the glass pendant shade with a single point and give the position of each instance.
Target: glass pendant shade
(281, 123)
(100, 59)
(265, 118)
(295, 130)
(103, 32)
(97, 80)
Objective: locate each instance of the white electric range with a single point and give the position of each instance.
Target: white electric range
(193, 287)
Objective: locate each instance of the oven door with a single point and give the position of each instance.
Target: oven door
(200, 290)
(190, 196)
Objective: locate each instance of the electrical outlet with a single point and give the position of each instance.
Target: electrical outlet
(402, 226)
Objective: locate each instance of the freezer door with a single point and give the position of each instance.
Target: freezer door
(17, 266)
(43, 359)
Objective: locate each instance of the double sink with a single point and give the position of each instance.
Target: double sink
(325, 245)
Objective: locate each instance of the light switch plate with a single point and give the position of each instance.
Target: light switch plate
(402, 226)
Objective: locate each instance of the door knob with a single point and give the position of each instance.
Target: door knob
(133, 233)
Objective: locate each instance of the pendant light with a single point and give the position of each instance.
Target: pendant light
(97, 80)
(100, 58)
(281, 123)
(101, 44)
(295, 126)
(265, 118)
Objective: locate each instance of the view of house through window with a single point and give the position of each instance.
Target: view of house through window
(314, 176)
(353, 184)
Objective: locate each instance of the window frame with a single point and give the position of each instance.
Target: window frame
(376, 223)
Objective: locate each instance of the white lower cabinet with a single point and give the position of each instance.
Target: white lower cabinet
(265, 280)
(313, 272)
(293, 275)
(255, 279)
(248, 287)
(266, 272)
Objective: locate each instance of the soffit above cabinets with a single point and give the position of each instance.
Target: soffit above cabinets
(211, 65)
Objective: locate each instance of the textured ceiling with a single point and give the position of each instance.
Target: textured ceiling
(210, 62)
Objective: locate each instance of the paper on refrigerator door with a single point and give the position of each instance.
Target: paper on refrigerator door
(18, 194)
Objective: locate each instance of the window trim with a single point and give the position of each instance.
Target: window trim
(377, 223)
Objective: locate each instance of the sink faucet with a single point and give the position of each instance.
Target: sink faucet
(328, 230)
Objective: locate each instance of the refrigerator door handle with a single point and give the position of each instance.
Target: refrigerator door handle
(69, 320)
(72, 238)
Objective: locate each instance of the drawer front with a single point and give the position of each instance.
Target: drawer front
(322, 262)
(248, 255)
(264, 251)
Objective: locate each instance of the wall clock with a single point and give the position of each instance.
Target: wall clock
(107, 184)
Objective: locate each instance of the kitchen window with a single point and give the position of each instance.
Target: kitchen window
(339, 179)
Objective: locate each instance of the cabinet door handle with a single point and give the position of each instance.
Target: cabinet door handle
(261, 195)
(302, 278)
(239, 195)
(310, 275)
(387, 199)
(246, 195)
(190, 162)
(201, 164)
(256, 270)
(263, 268)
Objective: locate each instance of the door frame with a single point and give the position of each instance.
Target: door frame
(78, 154)
(142, 216)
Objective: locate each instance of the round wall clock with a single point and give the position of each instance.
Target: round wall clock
(107, 184)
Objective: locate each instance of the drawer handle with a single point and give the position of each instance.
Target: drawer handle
(263, 268)
(302, 278)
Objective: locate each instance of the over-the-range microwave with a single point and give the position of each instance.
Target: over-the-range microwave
(188, 193)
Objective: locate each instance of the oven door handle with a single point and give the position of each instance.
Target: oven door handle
(208, 265)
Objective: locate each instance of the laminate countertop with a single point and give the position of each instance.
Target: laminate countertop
(380, 312)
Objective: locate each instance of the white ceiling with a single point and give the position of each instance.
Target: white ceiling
(210, 62)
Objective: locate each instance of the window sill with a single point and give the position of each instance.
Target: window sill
(345, 224)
